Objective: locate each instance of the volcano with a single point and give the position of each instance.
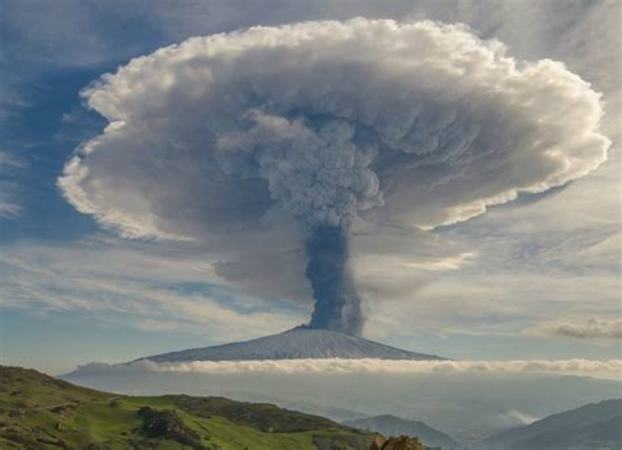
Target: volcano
(298, 343)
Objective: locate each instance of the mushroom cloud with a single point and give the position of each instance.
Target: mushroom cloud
(323, 126)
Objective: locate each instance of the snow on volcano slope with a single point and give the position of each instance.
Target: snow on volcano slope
(297, 343)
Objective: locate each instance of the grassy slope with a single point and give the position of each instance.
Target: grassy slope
(40, 412)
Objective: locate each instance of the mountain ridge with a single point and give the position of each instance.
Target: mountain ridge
(592, 426)
(391, 425)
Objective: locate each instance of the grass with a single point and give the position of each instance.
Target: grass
(40, 412)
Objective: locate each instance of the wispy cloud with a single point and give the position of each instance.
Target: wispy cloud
(442, 264)
(140, 287)
(8, 160)
(519, 417)
(9, 208)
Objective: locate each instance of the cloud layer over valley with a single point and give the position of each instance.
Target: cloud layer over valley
(581, 367)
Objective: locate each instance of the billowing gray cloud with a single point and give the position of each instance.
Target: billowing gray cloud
(328, 122)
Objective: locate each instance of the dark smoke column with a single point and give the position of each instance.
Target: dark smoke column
(337, 304)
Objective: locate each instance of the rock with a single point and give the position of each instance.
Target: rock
(396, 443)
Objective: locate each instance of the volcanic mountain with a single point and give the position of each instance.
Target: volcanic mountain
(298, 343)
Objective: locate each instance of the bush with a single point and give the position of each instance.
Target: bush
(166, 424)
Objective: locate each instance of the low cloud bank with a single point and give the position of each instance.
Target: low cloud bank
(606, 369)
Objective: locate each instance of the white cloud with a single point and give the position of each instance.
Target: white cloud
(441, 264)
(608, 369)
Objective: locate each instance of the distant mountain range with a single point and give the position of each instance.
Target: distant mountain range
(597, 426)
(297, 343)
(392, 425)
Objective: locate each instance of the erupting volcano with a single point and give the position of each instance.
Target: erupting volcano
(298, 343)
(322, 129)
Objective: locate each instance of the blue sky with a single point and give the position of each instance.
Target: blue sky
(535, 278)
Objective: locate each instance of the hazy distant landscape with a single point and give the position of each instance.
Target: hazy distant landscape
(467, 405)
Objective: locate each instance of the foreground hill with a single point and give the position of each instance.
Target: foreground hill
(597, 426)
(297, 343)
(392, 425)
(40, 412)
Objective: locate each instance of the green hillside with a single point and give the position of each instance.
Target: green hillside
(41, 412)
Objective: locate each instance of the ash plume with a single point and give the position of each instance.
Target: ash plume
(321, 126)
(337, 305)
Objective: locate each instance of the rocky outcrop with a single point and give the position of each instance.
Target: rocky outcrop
(397, 443)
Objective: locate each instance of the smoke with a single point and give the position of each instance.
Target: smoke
(321, 128)
(320, 177)
(338, 305)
